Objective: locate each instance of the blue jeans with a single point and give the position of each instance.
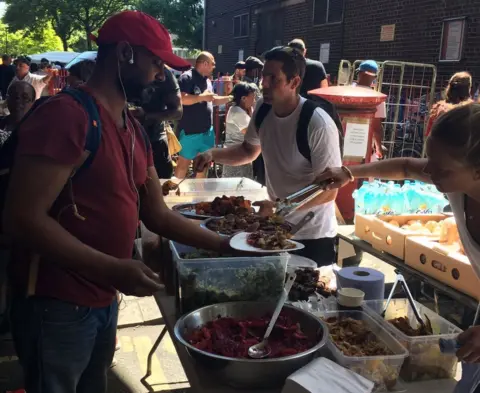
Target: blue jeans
(63, 348)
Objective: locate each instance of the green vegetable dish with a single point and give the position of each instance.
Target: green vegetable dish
(231, 281)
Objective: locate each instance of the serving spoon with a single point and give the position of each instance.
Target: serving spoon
(261, 350)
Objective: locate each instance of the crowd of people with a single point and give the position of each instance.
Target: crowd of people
(79, 185)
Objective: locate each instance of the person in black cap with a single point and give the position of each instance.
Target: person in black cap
(315, 74)
(253, 72)
(239, 73)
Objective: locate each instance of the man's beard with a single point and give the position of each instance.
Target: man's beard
(133, 89)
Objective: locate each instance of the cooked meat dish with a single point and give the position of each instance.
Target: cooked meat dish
(354, 338)
(170, 186)
(274, 241)
(250, 222)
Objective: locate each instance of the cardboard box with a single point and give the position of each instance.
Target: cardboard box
(389, 238)
(438, 261)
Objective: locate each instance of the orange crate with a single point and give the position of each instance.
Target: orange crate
(385, 237)
(450, 267)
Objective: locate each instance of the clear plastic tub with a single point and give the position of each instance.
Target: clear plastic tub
(204, 281)
(382, 370)
(425, 362)
(199, 190)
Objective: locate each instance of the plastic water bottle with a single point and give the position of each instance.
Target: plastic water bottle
(397, 203)
(407, 185)
(371, 199)
(359, 196)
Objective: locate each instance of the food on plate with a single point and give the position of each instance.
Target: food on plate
(224, 205)
(275, 241)
(170, 186)
(231, 337)
(307, 282)
(232, 223)
(354, 338)
(403, 324)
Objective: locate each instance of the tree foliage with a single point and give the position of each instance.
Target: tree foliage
(67, 17)
(184, 18)
(26, 43)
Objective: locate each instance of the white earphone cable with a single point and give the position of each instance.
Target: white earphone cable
(131, 130)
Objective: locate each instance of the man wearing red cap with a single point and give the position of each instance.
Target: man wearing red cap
(77, 233)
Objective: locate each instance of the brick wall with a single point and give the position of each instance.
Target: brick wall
(418, 31)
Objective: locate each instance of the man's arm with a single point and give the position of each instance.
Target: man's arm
(192, 99)
(392, 169)
(324, 83)
(158, 218)
(235, 155)
(35, 183)
(47, 78)
(219, 100)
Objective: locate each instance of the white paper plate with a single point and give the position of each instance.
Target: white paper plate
(239, 242)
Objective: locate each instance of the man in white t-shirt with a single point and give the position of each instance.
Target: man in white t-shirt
(287, 169)
(23, 74)
(367, 73)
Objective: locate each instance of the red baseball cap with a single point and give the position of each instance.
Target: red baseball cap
(140, 29)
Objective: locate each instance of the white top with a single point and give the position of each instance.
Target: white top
(472, 248)
(381, 112)
(35, 80)
(287, 171)
(237, 120)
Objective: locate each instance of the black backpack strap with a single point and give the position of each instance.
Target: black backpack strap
(306, 114)
(261, 115)
(328, 107)
(94, 132)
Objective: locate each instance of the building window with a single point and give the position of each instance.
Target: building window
(240, 26)
(453, 33)
(327, 11)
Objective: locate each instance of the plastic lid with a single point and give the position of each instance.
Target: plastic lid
(298, 261)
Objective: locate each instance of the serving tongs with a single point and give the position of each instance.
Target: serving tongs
(300, 198)
(400, 279)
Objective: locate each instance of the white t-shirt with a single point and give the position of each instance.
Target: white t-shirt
(287, 171)
(237, 120)
(472, 248)
(381, 112)
(35, 80)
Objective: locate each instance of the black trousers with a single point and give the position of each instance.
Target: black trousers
(320, 250)
(162, 159)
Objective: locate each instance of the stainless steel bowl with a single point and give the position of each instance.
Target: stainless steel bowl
(251, 373)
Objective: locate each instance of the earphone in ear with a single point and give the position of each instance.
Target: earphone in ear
(131, 61)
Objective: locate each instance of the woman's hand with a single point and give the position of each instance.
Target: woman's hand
(470, 342)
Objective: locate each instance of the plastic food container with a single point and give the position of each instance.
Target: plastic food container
(425, 362)
(204, 281)
(199, 190)
(382, 370)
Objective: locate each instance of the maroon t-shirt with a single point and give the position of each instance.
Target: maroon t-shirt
(103, 193)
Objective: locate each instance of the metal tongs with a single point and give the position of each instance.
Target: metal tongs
(298, 199)
(400, 279)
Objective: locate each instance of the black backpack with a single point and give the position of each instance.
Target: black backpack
(308, 108)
